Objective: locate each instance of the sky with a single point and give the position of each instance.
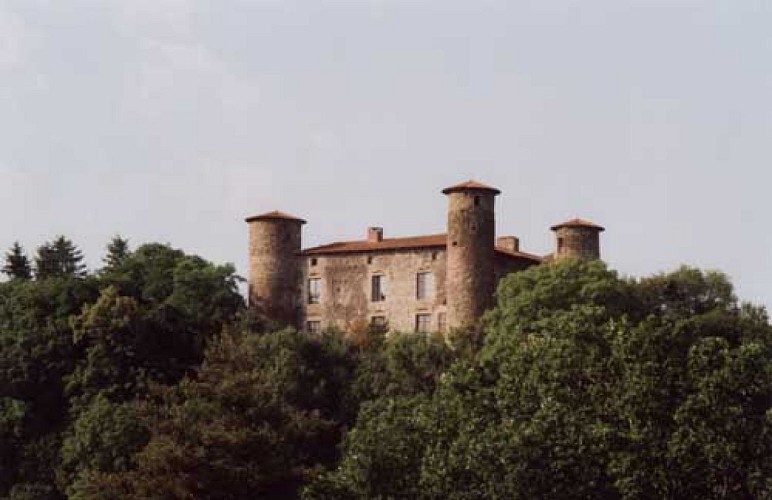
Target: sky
(172, 120)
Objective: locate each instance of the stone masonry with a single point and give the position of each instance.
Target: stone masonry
(421, 283)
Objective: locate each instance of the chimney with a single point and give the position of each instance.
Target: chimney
(374, 234)
(508, 243)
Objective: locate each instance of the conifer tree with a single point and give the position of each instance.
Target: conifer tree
(117, 251)
(59, 258)
(17, 265)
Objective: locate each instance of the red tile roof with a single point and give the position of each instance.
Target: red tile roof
(578, 223)
(439, 241)
(275, 215)
(433, 240)
(470, 185)
(519, 255)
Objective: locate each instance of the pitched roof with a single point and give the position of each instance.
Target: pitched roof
(275, 215)
(470, 185)
(432, 240)
(439, 241)
(578, 223)
(519, 255)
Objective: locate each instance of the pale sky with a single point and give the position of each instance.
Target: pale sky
(172, 120)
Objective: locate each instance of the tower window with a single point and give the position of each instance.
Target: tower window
(424, 286)
(314, 290)
(477, 201)
(561, 245)
(423, 323)
(378, 288)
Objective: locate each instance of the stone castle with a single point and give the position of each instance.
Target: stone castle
(422, 283)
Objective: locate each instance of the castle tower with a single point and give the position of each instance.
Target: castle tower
(470, 281)
(274, 266)
(577, 238)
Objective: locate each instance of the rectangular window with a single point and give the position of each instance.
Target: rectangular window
(378, 288)
(314, 290)
(378, 324)
(424, 286)
(442, 323)
(423, 323)
(314, 326)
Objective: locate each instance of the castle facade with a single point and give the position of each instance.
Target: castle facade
(422, 283)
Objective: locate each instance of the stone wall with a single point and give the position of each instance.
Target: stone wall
(471, 231)
(346, 284)
(577, 242)
(274, 269)
(503, 265)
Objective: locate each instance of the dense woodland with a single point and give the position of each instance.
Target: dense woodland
(148, 378)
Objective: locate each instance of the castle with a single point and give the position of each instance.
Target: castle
(421, 283)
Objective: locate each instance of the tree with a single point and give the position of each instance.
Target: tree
(57, 258)
(120, 355)
(657, 388)
(76, 351)
(117, 252)
(36, 356)
(260, 417)
(103, 439)
(184, 300)
(17, 265)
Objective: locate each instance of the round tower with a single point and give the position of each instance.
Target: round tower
(577, 238)
(470, 281)
(275, 276)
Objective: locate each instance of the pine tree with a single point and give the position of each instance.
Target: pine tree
(117, 251)
(59, 258)
(17, 265)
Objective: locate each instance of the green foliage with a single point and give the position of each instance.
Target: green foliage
(17, 265)
(259, 418)
(59, 258)
(118, 348)
(103, 439)
(183, 302)
(403, 364)
(74, 348)
(660, 388)
(149, 380)
(12, 413)
(117, 252)
(383, 453)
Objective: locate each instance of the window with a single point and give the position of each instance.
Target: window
(314, 326)
(424, 286)
(423, 322)
(313, 261)
(379, 288)
(378, 324)
(561, 245)
(477, 201)
(314, 290)
(442, 323)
